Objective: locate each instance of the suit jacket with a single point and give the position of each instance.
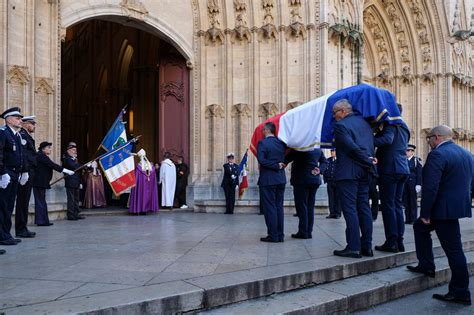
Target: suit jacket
(416, 168)
(392, 143)
(354, 146)
(30, 152)
(447, 177)
(11, 153)
(270, 152)
(71, 181)
(182, 180)
(303, 164)
(230, 170)
(44, 170)
(330, 170)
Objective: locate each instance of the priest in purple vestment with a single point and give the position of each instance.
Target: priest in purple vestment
(144, 196)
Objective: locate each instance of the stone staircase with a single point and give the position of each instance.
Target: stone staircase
(330, 285)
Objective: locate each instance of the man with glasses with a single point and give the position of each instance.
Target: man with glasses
(445, 198)
(354, 143)
(412, 185)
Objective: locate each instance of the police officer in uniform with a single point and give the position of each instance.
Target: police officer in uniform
(11, 171)
(412, 185)
(24, 192)
(230, 182)
(72, 182)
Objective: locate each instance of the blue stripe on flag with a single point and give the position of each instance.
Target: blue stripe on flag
(115, 158)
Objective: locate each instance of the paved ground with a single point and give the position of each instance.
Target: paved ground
(422, 303)
(108, 253)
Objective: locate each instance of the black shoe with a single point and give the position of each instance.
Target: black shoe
(347, 253)
(2, 251)
(331, 216)
(17, 240)
(295, 215)
(401, 248)
(81, 217)
(448, 297)
(268, 239)
(418, 269)
(385, 248)
(72, 218)
(8, 242)
(26, 234)
(367, 252)
(45, 224)
(298, 235)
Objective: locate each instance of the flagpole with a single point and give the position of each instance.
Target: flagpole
(99, 157)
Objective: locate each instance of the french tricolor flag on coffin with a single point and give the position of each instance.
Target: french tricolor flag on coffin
(311, 125)
(119, 168)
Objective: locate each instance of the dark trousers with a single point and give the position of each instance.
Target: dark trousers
(354, 196)
(334, 202)
(21, 210)
(41, 207)
(305, 196)
(410, 203)
(7, 203)
(229, 191)
(374, 198)
(180, 193)
(72, 202)
(391, 193)
(449, 236)
(272, 201)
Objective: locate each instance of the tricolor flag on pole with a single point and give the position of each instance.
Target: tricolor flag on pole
(116, 136)
(243, 183)
(119, 168)
(311, 125)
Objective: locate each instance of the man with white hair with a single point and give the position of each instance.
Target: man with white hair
(445, 198)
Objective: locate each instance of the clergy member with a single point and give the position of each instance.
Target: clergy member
(167, 181)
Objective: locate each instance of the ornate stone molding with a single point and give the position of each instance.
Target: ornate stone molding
(214, 111)
(172, 88)
(44, 86)
(268, 31)
(214, 35)
(241, 33)
(267, 109)
(18, 74)
(292, 105)
(241, 110)
(296, 29)
(134, 8)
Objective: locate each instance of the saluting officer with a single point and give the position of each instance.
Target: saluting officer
(230, 182)
(412, 185)
(11, 167)
(24, 192)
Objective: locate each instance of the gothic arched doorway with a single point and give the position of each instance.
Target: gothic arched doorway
(107, 65)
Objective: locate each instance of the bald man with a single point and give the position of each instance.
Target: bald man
(445, 198)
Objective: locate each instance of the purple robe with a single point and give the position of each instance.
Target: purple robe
(144, 196)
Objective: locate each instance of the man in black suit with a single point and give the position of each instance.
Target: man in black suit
(11, 171)
(230, 182)
(329, 179)
(72, 182)
(305, 179)
(43, 174)
(24, 191)
(355, 163)
(271, 182)
(412, 185)
(182, 173)
(445, 198)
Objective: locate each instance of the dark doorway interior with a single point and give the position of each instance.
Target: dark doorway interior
(106, 65)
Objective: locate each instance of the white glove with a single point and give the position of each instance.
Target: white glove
(4, 181)
(80, 186)
(418, 189)
(233, 176)
(24, 178)
(89, 164)
(68, 172)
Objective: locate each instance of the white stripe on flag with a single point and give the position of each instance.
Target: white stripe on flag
(300, 128)
(120, 169)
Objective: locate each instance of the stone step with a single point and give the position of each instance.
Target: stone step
(215, 290)
(347, 295)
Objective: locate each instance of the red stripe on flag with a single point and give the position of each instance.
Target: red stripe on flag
(258, 133)
(243, 185)
(123, 183)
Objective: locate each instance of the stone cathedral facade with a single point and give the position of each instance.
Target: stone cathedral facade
(224, 66)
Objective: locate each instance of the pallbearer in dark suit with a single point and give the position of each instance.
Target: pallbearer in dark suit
(271, 182)
(182, 173)
(355, 150)
(305, 179)
(230, 182)
(43, 174)
(24, 191)
(412, 185)
(72, 182)
(392, 167)
(11, 171)
(445, 198)
(329, 178)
